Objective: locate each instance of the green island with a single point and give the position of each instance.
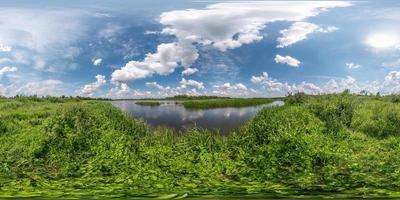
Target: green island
(222, 103)
(148, 103)
(339, 145)
(208, 102)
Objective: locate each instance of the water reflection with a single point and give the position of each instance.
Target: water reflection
(179, 118)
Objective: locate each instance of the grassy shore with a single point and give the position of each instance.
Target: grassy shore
(222, 103)
(314, 146)
(148, 103)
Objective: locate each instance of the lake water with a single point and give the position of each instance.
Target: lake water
(172, 115)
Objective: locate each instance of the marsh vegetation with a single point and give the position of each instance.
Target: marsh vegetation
(333, 145)
(148, 103)
(223, 103)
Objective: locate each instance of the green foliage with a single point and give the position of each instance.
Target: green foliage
(315, 146)
(335, 110)
(296, 99)
(187, 97)
(222, 103)
(148, 103)
(378, 119)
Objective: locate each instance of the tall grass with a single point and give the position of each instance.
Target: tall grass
(148, 103)
(222, 103)
(334, 145)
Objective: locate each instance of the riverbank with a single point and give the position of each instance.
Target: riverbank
(320, 146)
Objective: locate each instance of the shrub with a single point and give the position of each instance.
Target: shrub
(378, 119)
(335, 111)
(274, 142)
(296, 99)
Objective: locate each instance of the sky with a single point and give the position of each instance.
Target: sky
(158, 48)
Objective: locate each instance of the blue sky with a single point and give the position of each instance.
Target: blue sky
(136, 49)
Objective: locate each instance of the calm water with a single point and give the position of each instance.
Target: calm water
(179, 118)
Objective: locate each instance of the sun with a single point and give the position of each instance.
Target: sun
(383, 40)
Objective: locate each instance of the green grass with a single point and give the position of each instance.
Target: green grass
(188, 97)
(148, 103)
(222, 103)
(316, 146)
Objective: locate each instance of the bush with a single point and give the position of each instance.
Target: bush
(296, 99)
(275, 144)
(378, 119)
(336, 111)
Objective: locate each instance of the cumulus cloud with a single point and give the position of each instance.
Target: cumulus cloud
(163, 62)
(228, 89)
(270, 84)
(332, 86)
(154, 85)
(390, 85)
(5, 48)
(40, 88)
(228, 86)
(299, 31)
(92, 88)
(6, 70)
(97, 61)
(184, 83)
(189, 71)
(123, 91)
(238, 22)
(352, 65)
(308, 88)
(287, 60)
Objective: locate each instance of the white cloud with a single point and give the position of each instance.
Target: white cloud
(270, 84)
(189, 71)
(5, 48)
(92, 88)
(123, 91)
(184, 83)
(40, 88)
(238, 23)
(229, 25)
(299, 31)
(383, 40)
(152, 32)
(332, 86)
(154, 85)
(328, 29)
(287, 60)
(309, 88)
(228, 86)
(110, 31)
(352, 65)
(6, 70)
(391, 83)
(40, 38)
(163, 62)
(97, 61)
(228, 89)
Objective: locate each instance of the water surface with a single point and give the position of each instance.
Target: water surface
(172, 115)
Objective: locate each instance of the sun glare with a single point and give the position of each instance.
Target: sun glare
(383, 40)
